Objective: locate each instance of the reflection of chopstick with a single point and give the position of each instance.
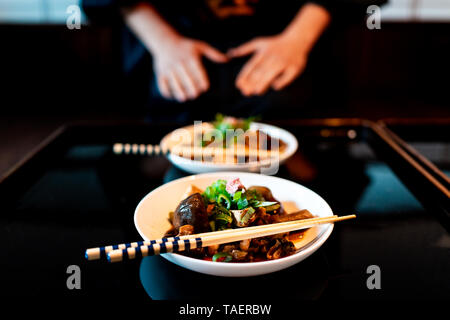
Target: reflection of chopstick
(196, 152)
(218, 237)
(101, 252)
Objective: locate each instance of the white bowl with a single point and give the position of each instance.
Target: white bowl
(151, 220)
(195, 166)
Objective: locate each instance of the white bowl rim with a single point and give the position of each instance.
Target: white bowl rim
(310, 246)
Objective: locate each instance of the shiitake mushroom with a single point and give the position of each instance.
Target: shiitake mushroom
(192, 211)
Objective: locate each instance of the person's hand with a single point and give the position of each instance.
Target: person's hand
(276, 62)
(179, 70)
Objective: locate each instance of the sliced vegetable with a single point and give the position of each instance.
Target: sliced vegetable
(272, 208)
(223, 200)
(221, 217)
(242, 203)
(247, 214)
(268, 205)
(222, 257)
(243, 217)
(225, 122)
(256, 203)
(213, 191)
(240, 200)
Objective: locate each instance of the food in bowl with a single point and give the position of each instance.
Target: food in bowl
(230, 140)
(228, 205)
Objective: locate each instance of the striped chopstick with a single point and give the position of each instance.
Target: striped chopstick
(219, 237)
(102, 252)
(186, 151)
(142, 149)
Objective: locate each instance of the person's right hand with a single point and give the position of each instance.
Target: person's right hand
(179, 70)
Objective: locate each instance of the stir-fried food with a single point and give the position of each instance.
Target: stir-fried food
(238, 142)
(229, 204)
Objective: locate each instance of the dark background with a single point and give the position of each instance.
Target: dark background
(52, 75)
(400, 70)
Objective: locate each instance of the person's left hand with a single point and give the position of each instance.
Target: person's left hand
(276, 62)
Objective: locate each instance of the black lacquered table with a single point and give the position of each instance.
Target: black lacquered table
(72, 192)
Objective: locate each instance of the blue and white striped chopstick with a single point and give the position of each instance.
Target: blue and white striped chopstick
(142, 149)
(219, 237)
(154, 249)
(102, 252)
(199, 152)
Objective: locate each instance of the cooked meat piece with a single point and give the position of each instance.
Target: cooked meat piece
(186, 230)
(275, 251)
(265, 192)
(192, 211)
(239, 255)
(234, 185)
(212, 250)
(262, 217)
(259, 245)
(228, 248)
(280, 248)
(268, 196)
(299, 215)
(244, 244)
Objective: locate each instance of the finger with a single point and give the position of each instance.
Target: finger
(187, 82)
(262, 80)
(212, 53)
(176, 87)
(285, 78)
(199, 73)
(244, 49)
(242, 79)
(163, 86)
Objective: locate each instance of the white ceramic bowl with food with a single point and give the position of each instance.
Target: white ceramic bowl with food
(151, 220)
(197, 166)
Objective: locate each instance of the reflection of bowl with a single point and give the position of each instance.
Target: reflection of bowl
(151, 220)
(163, 280)
(195, 166)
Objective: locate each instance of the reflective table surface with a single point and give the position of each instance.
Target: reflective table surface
(75, 193)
